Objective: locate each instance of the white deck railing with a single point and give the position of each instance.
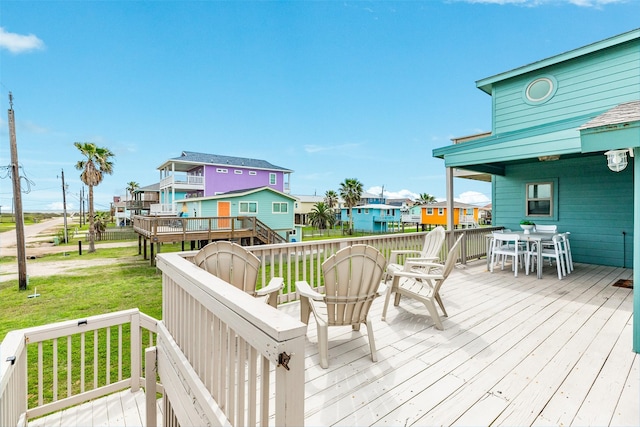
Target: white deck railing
(303, 260)
(220, 350)
(72, 362)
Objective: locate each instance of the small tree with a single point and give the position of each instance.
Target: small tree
(321, 216)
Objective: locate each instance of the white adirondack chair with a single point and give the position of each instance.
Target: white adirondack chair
(351, 280)
(239, 267)
(424, 286)
(430, 252)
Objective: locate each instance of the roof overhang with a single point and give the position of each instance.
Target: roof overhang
(490, 155)
(486, 84)
(617, 128)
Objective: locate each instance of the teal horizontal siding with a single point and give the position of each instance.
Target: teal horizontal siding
(588, 84)
(594, 204)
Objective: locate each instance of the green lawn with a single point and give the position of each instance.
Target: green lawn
(129, 283)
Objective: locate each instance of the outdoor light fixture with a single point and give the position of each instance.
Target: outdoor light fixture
(551, 158)
(617, 159)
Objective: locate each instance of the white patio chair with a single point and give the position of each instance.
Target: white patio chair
(504, 245)
(430, 252)
(566, 248)
(555, 253)
(352, 277)
(239, 267)
(424, 286)
(546, 228)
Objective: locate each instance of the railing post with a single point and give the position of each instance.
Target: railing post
(290, 386)
(150, 370)
(136, 353)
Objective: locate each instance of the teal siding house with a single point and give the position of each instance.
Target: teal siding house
(373, 217)
(561, 151)
(272, 207)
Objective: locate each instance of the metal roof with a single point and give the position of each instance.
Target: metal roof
(192, 157)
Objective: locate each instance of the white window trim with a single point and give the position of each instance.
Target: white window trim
(275, 178)
(237, 172)
(253, 173)
(248, 204)
(273, 204)
(221, 170)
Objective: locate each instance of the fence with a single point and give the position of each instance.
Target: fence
(68, 363)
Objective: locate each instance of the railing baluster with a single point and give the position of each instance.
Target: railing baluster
(55, 369)
(95, 359)
(82, 361)
(40, 392)
(69, 391)
(107, 373)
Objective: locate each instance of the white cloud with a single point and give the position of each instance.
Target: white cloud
(534, 3)
(473, 198)
(17, 43)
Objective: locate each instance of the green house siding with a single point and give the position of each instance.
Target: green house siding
(593, 203)
(597, 81)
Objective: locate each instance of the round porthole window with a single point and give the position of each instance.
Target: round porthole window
(540, 90)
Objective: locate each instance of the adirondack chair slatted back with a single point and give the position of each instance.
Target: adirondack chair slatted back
(231, 263)
(433, 242)
(351, 279)
(452, 258)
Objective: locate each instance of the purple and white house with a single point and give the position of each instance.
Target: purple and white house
(202, 175)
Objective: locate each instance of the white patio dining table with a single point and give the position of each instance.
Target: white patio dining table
(533, 237)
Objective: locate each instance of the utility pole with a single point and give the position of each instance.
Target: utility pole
(17, 200)
(64, 207)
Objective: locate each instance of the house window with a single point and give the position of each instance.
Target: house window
(440, 211)
(220, 170)
(429, 211)
(540, 90)
(253, 173)
(248, 207)
(272, 179)
(237, 172)
(280, 207)
(539, 199)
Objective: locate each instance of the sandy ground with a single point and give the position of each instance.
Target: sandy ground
(38, 242)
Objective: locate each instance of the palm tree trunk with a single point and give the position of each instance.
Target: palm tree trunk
(92, 228)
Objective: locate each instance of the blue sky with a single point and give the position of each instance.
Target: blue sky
(329, 89)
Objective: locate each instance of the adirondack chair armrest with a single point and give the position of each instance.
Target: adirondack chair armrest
(418, 275)
(275, 284)
(393, 258)
(305, 290)
(422, 264)
(431, 259)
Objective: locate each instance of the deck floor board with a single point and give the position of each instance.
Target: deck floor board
(514, 351)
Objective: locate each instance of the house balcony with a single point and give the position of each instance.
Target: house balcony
(514, 351)
(386, 218)
(183, 182)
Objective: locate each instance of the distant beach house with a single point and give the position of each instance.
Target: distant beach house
(195, 174)
(373, 217)
(273, 208)
(464, 215)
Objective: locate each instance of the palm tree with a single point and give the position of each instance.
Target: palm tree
(132, 186)
(425, 199)
(331, 200)
(350, 191)
(321, 216)
(96, 163)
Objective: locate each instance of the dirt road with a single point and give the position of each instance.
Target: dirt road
(38, 243)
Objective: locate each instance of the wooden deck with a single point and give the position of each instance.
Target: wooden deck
(515, 351)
